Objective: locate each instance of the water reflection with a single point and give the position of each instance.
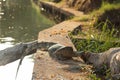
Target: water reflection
(21, 20)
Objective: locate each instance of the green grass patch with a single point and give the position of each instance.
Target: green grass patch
(105, 7)
(97, 42)
(94, 77)
(95, 46)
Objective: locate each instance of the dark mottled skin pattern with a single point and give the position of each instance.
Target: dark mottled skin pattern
(110, 58)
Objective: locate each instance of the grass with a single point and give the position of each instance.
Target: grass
(94, 14)
(105, 7)
(93, 77)
(82, 18)
(97, 42)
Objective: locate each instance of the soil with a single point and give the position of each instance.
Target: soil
(47, 68)
(113, 17)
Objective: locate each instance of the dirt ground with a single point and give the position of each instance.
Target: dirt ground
(47, 68)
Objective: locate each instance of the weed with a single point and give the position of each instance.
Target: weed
(94, 77)
(97, 42)
(105, 7)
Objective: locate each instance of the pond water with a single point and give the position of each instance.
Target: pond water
(20, 21)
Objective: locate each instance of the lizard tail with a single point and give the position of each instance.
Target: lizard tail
(25, 51)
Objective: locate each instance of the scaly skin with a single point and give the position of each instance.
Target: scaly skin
(29, 48)
(110, 58)
(56, 51)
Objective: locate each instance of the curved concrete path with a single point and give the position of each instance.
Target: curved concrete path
(46, 68)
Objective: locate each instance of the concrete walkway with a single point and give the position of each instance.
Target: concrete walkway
(59, 33)
(46, 68)
(64, 8)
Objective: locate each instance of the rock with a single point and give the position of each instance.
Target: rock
(56, 1)
(84, 5)
(87, 5)
(113, 17)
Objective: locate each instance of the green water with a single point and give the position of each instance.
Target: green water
(21, 20)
